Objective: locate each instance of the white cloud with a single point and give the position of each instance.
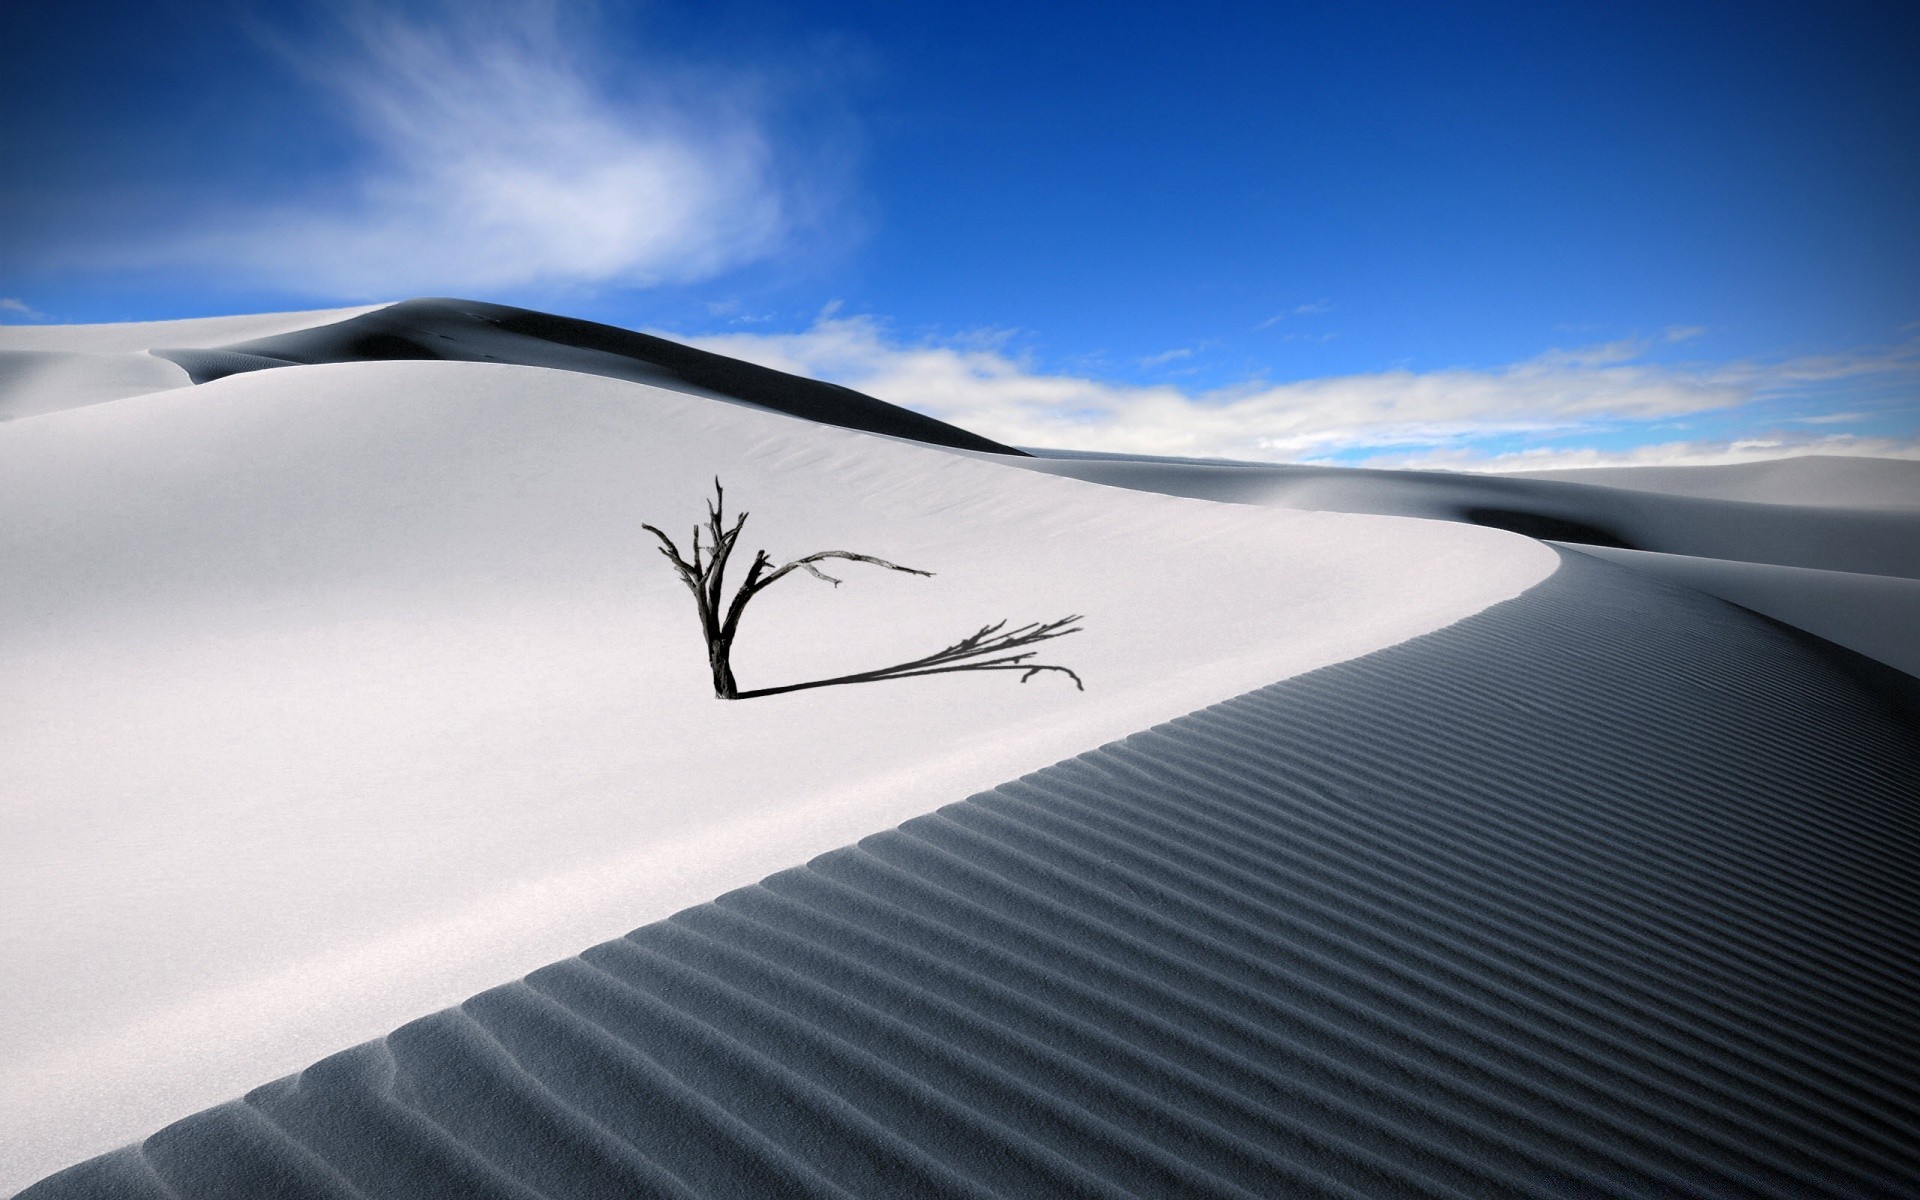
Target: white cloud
(500, 154)
(19, 308)
(1838, 418)
(978, 386)
(1704, 453)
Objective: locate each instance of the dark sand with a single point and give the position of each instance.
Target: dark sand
(1605, 891)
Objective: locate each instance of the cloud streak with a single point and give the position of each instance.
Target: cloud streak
(1705, 452)
(497, 154)
(1607, 392)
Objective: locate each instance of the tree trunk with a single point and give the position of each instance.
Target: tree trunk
(720, 656)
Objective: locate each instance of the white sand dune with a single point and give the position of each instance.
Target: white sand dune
(1603, 891)
(337, 693)
(342, 687)
(126, 336)
(48, 368)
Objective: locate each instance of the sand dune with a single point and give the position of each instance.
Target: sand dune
(1504, 910)
(48, 368)
(1821, 480)
(1874, 615)
(1878, 541)
(344, 685)
(1847, 573)
(338, 693)
(472, 331)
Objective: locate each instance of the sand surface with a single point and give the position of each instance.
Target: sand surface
(345, 685)
(1848, 572)
(48, 368)
(337, 693)
(1604, 891)
(1874, 615)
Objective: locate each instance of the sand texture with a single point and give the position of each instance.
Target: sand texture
(338, 693)
(1488, 836)
(1604, 891)
(1874, 615)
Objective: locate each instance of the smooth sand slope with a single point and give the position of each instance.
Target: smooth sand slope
(1605, 891)
(338, 693)
(48, 368)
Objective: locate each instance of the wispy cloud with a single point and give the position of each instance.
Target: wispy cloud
(499, 152)
(1608, 389)
(1701, 453)
(1298, 310)
(16, 307)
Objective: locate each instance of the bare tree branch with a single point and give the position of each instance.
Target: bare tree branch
(972, 653)
(806, 564)
(983, 650)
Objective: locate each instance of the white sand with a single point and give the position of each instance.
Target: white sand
(335, 694)
(50, 368)
(195, 332)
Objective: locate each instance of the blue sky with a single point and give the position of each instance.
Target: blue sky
(1477, 235)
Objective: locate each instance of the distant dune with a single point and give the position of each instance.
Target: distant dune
(1419, 833)
(1847, 573)
(1821, 480)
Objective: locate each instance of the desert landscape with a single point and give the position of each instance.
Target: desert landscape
(1415, 833)
(1004, 601)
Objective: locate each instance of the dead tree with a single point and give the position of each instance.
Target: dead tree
(987, 649)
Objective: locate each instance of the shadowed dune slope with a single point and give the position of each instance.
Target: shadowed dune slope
(1605, 891)
(1874, 615)
(473, 331)
(1827, 480)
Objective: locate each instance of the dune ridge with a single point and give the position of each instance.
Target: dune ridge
(474, 331)
(1510, 909)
